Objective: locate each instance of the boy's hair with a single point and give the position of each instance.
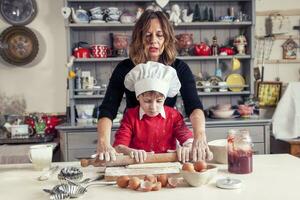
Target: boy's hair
(153, 93)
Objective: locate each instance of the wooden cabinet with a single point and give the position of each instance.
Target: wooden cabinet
(203, 31)
(78, 142)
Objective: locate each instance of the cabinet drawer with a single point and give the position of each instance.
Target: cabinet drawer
(85, 139)
(73, 154)
(81, 140)
(256, 133)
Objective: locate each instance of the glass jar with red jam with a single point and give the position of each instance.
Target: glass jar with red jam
(239, 151)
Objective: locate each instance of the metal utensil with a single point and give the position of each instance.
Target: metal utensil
(89, 180)
(46, 175)
(72, 189)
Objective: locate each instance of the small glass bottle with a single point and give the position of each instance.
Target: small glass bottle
(239, 151)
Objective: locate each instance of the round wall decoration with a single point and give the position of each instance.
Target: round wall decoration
(18, 45)
(18, 12)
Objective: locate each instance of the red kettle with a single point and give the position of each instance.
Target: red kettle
(80, 51)
(202, 49)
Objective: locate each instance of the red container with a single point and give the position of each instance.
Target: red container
(101, 51)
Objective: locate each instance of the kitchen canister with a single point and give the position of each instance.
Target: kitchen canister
(240, 151)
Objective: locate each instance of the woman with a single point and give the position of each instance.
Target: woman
(153, 39)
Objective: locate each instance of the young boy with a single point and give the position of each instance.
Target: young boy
(151, 126)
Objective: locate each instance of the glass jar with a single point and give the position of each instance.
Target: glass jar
(239, 151)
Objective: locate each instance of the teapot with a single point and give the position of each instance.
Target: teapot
(227, 51)
(80, 51)
(80, 15)
(202, 49)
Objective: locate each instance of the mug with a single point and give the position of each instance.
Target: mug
(88, 82)
(101, 51)
(41, 156)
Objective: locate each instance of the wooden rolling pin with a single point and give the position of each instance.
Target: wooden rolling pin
(123, 160)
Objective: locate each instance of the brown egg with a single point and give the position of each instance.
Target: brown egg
(123, 181)
(150, 178)
(146, 186)
(188, 167)
(84, 162)
(163, 179)
(200, 165)
(134, 183)
(156, 186)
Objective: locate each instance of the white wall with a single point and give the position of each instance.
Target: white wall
(43, 82)
(286, 72)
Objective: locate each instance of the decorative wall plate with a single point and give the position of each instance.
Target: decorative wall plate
(18, 12)
(18, 45)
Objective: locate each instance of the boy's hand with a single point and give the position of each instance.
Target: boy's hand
(139, 155)
(183, 152)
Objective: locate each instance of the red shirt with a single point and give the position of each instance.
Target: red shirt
(156, 134)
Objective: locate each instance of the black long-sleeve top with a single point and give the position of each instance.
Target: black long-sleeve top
(116, 89)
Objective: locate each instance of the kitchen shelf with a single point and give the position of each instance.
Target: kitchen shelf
(274, 61)
(215, 25)
(224, 93)
(186, 58)
(101, 68)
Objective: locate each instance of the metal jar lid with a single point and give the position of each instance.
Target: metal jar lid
(229, 183)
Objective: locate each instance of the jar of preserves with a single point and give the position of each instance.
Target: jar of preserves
(240, 150)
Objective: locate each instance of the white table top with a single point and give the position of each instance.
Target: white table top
(274, 177)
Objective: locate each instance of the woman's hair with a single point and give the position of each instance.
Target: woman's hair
(139, 38)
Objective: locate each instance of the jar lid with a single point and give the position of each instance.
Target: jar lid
(229, 183)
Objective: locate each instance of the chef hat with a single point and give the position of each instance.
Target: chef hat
(153, 76)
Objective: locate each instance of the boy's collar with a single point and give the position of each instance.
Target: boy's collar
(142, 113)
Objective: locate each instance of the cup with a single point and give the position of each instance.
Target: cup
(41, 156)
(206, 85)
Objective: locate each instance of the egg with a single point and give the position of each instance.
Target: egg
(163, 179)
(150, 178)
(84, 162)
(123, 181)
(200, 165)
(188, 167)
(156, 186)
(134, 183)
(146, 186)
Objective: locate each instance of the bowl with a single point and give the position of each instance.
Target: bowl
(83, 121)
(222, 114)
(223, 106)
(85, 110)
(197, 179)
(219, 150)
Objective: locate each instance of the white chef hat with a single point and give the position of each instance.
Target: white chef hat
(153, 76)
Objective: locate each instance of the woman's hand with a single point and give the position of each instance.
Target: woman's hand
(139, 155)
(200, 150)
(106, 152)
(183, 153)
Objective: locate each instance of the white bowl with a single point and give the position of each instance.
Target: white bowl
(223, 114)
(88, 121)
(219, 150)
(197, 179)
(85, 110)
